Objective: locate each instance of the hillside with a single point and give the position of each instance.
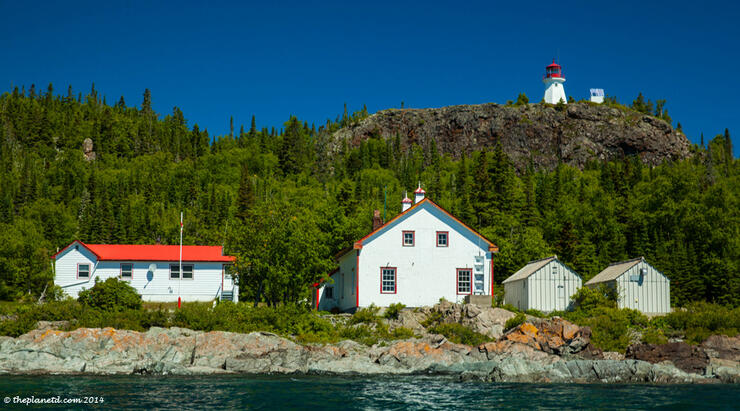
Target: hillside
(275, 200)
(541, 133)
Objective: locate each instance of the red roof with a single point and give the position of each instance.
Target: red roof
(554, 64)
(406, 200)
(157, 252)
(419, 191)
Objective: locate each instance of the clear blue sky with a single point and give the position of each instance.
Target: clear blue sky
(273, 60)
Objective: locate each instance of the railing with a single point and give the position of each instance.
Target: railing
(551, 75)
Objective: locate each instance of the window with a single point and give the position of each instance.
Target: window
(187, 271)
(127, 271)
(464, 276)
(329, 293)
(554, 269)
(443, 238)
(388, 280)
(83, 270)
(408, 238)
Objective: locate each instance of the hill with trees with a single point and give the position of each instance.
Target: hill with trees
(284, 201)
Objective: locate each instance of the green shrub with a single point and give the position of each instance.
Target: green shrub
(515, 321)
(365, 315)
(535, 313)
(459, 334)
(511, 308)
(111, 295)
(432, 318)
(587, 299)
(402, 333)
(393, 310)
(654, 336)
(609, 332)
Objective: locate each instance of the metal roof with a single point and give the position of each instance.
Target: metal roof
(614, 270)
(155, 252)
(529, 269)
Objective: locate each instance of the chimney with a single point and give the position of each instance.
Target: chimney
(405, 203)
(377, 221)
(419, 194)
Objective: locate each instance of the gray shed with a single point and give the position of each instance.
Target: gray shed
(639, 286)
(545, 285)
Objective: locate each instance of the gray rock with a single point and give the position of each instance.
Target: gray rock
(542, 134)
(186, 352)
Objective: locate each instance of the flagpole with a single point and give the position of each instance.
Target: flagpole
(179, 280)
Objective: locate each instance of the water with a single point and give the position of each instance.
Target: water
(370, 393)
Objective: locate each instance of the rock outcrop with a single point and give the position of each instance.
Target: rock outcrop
(542, 134)
(529, 353)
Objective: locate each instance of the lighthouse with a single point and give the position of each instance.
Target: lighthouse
(553, 79)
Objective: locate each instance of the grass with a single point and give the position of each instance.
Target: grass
(290, 321)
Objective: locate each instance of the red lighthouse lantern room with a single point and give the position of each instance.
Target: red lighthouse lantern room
(553, 70)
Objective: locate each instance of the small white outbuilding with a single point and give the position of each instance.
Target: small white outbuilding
(544, 285)
(639, 286)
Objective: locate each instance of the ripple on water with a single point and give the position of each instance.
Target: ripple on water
(368, 393)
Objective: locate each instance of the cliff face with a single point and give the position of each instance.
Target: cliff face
(542, 134)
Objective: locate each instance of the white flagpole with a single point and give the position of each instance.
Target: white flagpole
(179, 281)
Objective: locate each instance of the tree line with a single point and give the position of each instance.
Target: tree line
(285, 200)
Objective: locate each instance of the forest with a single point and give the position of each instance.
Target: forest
(283, 203)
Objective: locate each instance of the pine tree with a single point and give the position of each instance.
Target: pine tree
(728, 146)
(245, 199)
(146, 105)
(482, 200)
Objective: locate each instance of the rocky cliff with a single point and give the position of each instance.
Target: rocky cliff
(542, 134)
(536, 351)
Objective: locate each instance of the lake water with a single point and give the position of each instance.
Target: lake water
(343, 393)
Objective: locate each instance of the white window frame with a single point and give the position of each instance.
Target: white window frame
(386, 280)
(87, 277)
(462, 282)
(175, 269)
(130, 272)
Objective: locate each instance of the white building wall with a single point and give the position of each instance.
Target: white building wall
(549, 290)
(515, 294)
(343, 292)
(555, 91)
(424, 273)
(205, 285)
(652, 295)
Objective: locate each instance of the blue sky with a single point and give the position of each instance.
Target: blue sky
(277, 59)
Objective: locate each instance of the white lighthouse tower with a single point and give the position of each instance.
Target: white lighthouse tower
(553, 79)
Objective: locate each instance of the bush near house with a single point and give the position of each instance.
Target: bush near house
(111, 295)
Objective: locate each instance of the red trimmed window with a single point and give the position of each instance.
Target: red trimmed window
(187, 271)
(387, 280)
(464, 280)
(407, 238)
(443, 238)
(127, 271)
(83, 270)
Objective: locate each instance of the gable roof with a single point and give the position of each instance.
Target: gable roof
(154, 252)
(614, 270)
(359, 243)
(529, 269)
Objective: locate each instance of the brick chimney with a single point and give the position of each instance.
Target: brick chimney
(377, 221)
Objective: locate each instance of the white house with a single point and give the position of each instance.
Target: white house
(418, 257)
(639, 286)
(544, 285)
(153, 270)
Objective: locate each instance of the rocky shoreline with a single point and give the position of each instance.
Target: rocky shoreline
(552, 351)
